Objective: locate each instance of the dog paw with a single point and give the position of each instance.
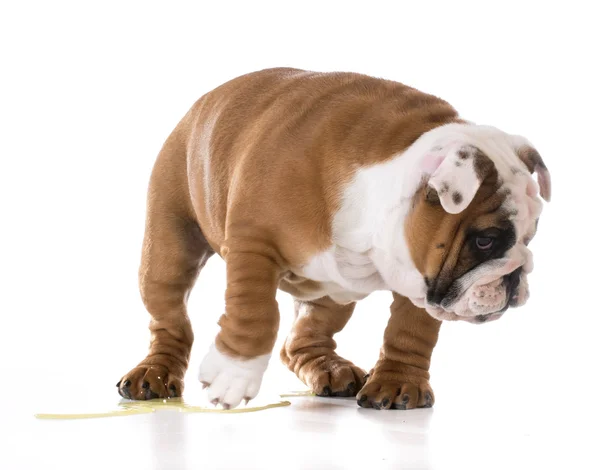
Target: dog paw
(146, 382)
(332, 376)
(228, 380)
(391, 391)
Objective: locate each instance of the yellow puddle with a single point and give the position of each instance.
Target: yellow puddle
(130, 407)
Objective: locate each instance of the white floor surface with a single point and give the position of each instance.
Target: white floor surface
(505, 428)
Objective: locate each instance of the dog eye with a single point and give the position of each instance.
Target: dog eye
(484, 243)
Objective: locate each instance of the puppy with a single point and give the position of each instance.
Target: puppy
(331, 186)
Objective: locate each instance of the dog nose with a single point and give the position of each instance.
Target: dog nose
(441, 292)
(434, 297)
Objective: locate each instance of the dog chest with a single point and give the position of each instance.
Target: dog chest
(343, 275)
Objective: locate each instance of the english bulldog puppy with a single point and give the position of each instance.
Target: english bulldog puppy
(331, 186)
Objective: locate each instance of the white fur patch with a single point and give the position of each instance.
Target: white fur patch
(455, 177)
(231, 380)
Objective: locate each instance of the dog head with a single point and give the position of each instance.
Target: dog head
(472, 220)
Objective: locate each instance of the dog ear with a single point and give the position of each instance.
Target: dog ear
(459, 176)
(534, 163)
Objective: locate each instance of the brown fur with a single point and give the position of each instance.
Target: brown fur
(309, 350)
(400, 379)
(254, 172)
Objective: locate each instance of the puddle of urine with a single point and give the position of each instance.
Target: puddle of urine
(81, 410)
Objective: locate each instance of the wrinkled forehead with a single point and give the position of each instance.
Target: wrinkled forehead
(522, 204)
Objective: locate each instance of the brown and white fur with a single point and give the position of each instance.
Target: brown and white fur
(330, 186)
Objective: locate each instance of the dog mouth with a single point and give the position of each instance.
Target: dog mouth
(512, 282)
(480, 302)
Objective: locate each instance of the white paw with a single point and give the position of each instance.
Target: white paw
(231, 380)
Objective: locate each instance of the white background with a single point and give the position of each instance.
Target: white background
(90, 90)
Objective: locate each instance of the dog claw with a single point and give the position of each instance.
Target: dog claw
(362, 402)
